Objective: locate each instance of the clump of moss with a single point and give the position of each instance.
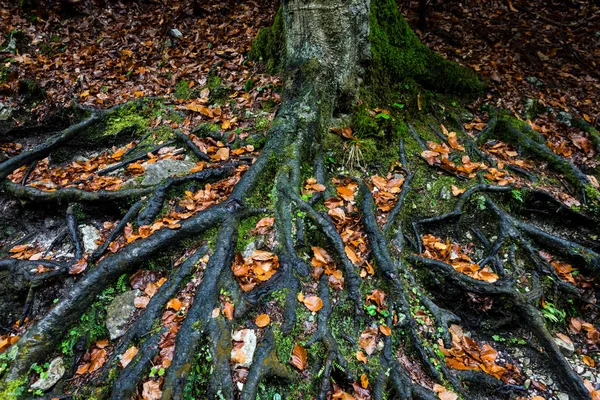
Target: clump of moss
(269, 45)
(399, 56)
(182, 90)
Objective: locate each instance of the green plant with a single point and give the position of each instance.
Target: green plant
(553, 314)
(517, 195)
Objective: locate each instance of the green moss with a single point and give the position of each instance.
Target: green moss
(182, 90)
(15, 389)
(261, 124)
(244, 235)
(269, 45)
(399, 56)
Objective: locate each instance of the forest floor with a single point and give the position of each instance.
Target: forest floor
(195, 104)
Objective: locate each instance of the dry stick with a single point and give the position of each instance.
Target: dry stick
(188, 141)
(129, 215)
(28, 173)
(122, 164)
(74, 232)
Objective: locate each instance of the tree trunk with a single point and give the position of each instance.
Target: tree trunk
(328, 59)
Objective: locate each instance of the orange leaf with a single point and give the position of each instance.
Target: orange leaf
(360, 356)
(299, 357)
(589, 361)
(128, 356)
(83, 369)
(262, 320)
(364, 381)
(385, 330)
(313, 303)
(78, 267)
(98, 359)
(174, 304)
(457, 191)
(228, 310)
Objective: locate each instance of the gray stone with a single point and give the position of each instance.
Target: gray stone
(250, 248)
(163, 169)
(176, 33)
(89, 235)
(562, 396)
(579, 369)
(56, 370)
(5, 112)
(564, 117)
(445, 193)
(249, 338)
(119, 313)
(566, 348)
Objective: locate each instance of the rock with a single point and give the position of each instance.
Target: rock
(56, 370)
(176, 33)
(445, 193)
(562, 396)
(89, 235)
(161, 170)
(428, 186)
(566, 348)
(119, 313)
(5, 112)
(579, 369)
(250, 248)
(564, 117)
(243, 356)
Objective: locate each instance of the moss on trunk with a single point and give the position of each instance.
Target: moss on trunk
(398, 56)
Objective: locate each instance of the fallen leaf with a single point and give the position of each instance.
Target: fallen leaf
(151, 391)
(313, 303)
(299, 357)
(129, 354)
(262, 320)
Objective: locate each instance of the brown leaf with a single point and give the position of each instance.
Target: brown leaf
(299, 357)
(313, 303)
(367, 340)
(151, 391)
(78, 267)
(360, 356)
(385, 330)
(141, 302)
(174, 304)
(262, 320)
(98, 358)
(228, 310)
(128, 356)
(364, 381)
(443, 393)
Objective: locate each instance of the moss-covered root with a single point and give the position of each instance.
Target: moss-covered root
(399, 56)
(526, 139)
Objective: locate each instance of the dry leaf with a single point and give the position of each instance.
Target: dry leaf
(313, 303)
(129, 354)
(151, 391)
(262, 320)
(299, 357)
